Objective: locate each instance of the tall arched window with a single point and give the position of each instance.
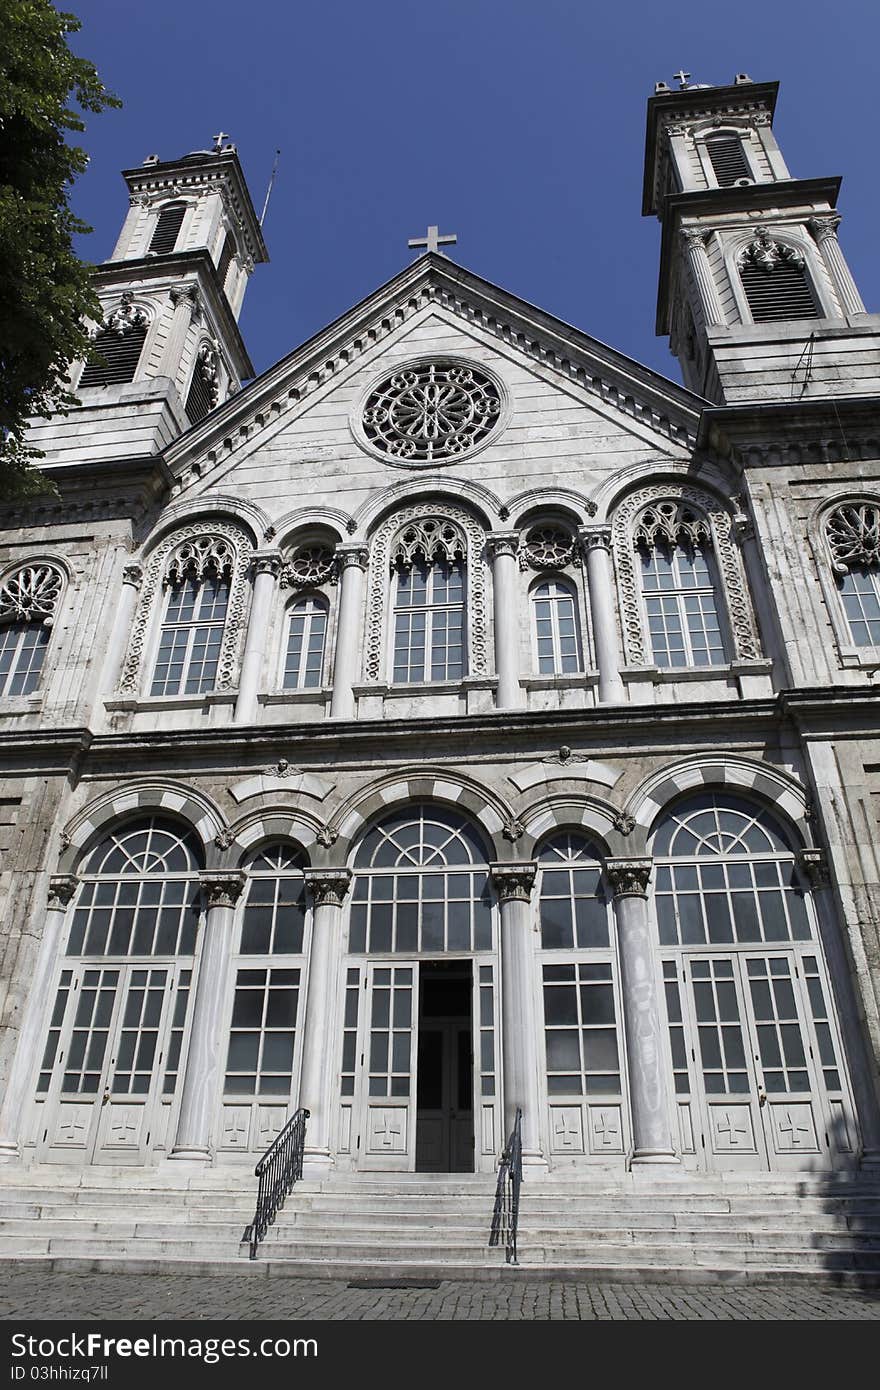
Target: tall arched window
(853, 533)
(428, 562)
(167, 229)
(112, 1057)
(555, 627)
(197, 580)
(28, 600)
(306, 640)
(679, 587)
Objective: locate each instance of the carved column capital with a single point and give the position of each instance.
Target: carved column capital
(328, 886)
(222, 888)
(502, 543)
(188, 295)
(267, 562)
(813, 864)
(594, 538)
(629, 877)
(513, 882)
(824, 227)
(61, 889)
(693, 238)
(353, 554)
(133, 575)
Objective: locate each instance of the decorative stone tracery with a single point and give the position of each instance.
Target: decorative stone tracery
(31, 595)
(431, 411)
(668, 506)
(853, 533)
(125, 318)
(208, 544)
(383, 557)
(308, 567)
(766, 254)
(547, 546)
(428, 540)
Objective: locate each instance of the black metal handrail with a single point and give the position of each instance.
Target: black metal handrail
(278, 1169)
(505, 1217)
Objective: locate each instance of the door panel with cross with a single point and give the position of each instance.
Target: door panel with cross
(105, 1061)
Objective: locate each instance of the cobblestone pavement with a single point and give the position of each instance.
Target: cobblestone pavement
(31, 1294)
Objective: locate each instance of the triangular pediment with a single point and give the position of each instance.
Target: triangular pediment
(434, 290)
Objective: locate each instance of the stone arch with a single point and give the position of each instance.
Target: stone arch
(173, 799)
(223, 506)
(265, 826)
(528, 508)
(583, 815)
(719, 527)
(777, 789)
(492, 815)
(413, 491)
(286, 531)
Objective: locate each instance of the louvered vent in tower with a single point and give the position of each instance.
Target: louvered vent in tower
(229, 250)
(120, 354)
(167, 229)
(781, 293)
(728, 159)
(199, 401)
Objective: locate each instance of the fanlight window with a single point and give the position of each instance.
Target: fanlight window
(726, 874)
(422, 884)
(140, 894)
(306, 638)
(853, 532)
(555, 619)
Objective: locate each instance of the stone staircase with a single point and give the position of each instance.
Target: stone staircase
(433, 1226)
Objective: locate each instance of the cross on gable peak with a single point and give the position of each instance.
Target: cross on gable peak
(433, 241)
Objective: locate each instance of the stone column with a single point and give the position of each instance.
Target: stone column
(596, 546)
(824, 230)
(267, 567)
(185, 299)
(35, 1012)
(328, 888)
(694, 243)
(520, 1057)
(502, 548)
(120, 636)
(813, 864)
(646, 1049)
(204, 1062)
(353, 559)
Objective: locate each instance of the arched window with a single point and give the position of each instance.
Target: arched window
(774, 277)
(853, 533)
(167, 229)
(422, 884)
(728, 158)
(306, 639)
(265, 1002)
(28, 600)
(555, 627)
(679, 587)
(198, 580)
(580, 1030)
(429, 603)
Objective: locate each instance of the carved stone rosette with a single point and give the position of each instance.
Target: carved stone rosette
(813, 864)
(628, 877)
(513, 881)
(547, 547)
(31, 594)
(222, 888)
(328, 887)
(852, 530)
(61, 889)
(308, 567)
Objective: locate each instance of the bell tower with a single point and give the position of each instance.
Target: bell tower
(755, 294)
(168, 348)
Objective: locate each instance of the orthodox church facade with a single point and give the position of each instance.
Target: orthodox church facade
(460, 717)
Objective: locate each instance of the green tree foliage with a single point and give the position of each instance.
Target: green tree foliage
(45, 291)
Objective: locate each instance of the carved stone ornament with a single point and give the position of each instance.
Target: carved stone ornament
(216, 542)
(671, 504)
(133, 574)
(547, 547)
(328, 887)
(222, 889)
(813, 864)
(208, 367)
(203, 557)
(267, 562)
(381, 565)
(853, 532)
(31, 595)
(326, 836)
(628, 877)
(224, 838)
(283, 768)
(513, 830)
(766, 254)
(433, 411)
(426, 541)
(502, 543)
(824, 228)
(308, 567)
(513, 882)
(671, 523)
(187, 294)
(624, 823)
(126, 317)
(61, 889)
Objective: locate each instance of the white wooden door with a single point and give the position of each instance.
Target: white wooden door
(385, 1108)
(108, 1041)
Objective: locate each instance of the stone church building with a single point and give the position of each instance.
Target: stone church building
(460, 716)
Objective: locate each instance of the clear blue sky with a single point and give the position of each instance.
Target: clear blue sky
(517, 124)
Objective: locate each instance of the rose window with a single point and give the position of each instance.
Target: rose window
(435, 411)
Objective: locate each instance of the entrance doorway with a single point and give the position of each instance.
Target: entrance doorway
(445, 1070)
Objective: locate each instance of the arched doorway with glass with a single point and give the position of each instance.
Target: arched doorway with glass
(419, 1081)
(111, 1064)
(759, 1072)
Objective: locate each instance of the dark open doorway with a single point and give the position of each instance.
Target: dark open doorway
(445, 1077)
